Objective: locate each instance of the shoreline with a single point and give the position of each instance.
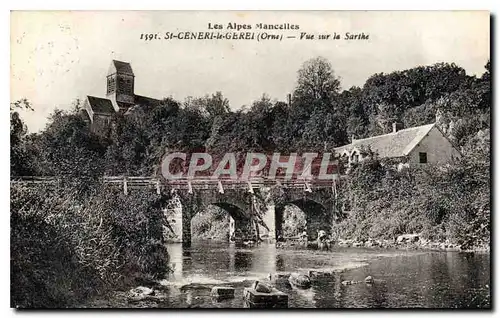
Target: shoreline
(380, 244)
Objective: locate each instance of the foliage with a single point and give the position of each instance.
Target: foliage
(294, 221)
(65, 248)
(140, 140)
(449, 202)
(212, 223)
(316, 80)
(67, 148)
(20, 161)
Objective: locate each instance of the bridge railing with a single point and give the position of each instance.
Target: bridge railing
(192, 184)
(33, 179)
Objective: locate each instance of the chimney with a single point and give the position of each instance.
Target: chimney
(396, 127)
(289, 100)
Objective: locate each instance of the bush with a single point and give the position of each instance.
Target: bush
(442, 203)
(65, 248)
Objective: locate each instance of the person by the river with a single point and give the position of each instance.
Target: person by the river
(303, 238)
(322, 240)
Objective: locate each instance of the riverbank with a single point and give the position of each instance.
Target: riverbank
(405, 242)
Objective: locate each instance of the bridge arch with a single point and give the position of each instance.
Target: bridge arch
(317, 205)
(231, 220)
(236, 203)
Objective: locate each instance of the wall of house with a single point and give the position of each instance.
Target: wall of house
(438, 148)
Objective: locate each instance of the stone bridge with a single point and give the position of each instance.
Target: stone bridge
(256, 207)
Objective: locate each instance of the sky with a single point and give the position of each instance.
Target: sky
(59, 56)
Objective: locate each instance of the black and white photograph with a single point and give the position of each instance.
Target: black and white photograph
(250, 160)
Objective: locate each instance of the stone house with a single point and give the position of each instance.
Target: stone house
(413, 146)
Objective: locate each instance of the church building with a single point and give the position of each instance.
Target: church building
(120, 97)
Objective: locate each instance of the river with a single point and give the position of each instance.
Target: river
(402, 278)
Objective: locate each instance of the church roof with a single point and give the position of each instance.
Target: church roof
(101, 105)
(143, 100)
(391, 145)
(120, 67)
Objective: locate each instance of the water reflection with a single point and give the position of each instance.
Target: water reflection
(402, 279)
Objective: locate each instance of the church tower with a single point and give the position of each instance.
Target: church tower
(120, 97)
(120, 85)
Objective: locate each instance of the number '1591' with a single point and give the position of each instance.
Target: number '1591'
(149, 36)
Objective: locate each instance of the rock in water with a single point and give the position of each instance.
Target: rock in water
(261, 287)
(274, 299)
(299, 280)
(318, 275)
(222, 292)
(278, 277)
(142, 291)
(369, 280)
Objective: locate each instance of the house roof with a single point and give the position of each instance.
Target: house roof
(391, 145)
(120, 67)
(101, 105)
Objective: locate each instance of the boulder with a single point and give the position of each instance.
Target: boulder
(318, 274)
(423, 242)
(273, 299)
(349, 282)
(299, 280)
(261, 287)
(372, 243)
(141, 291)
(408, 238)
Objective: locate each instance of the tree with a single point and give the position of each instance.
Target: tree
(20, 159)
(316, 80)
(68, 148)
(209, 106)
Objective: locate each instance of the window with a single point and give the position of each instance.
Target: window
(422, 157)
(354, 157)
(111, 85)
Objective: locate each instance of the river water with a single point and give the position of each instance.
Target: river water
(402, 278)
